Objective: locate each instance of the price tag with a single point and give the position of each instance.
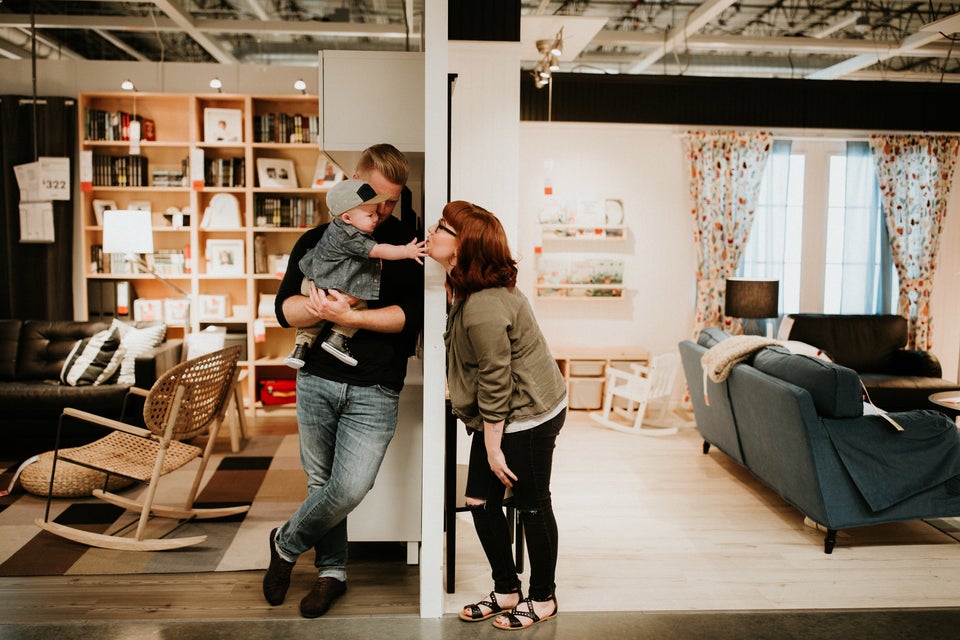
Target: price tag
(54, 176)
(86, 171)
(196, 169)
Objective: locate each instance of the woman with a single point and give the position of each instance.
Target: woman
(506, 387)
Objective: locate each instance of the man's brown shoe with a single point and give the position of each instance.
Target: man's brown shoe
(321, 596)
(277, 579)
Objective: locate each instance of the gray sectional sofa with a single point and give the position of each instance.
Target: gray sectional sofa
(797, 423)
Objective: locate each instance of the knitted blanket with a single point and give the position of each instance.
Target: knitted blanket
(719, 359)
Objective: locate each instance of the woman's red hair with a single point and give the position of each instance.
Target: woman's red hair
(483, 256)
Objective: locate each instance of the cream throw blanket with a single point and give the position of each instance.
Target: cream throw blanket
(719, 359)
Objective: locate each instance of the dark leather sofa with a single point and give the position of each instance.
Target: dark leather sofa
(32, 353)
(897, 379)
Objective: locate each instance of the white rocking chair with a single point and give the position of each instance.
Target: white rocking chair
(643, 386)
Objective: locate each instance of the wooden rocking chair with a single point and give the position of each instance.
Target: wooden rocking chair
(187, 401)
(639, 388)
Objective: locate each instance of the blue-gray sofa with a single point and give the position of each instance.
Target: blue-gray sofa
(797, 423)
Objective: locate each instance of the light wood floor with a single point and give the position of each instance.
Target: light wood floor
(646, 524)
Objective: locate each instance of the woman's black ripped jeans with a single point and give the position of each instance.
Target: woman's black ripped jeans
(529, 454)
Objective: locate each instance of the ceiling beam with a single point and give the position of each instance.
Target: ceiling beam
(695, 20)
(176, 13)
(271, 27)
(120, 44)
(800, 45)
(865, 60)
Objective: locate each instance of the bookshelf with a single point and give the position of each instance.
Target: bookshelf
(220, 234)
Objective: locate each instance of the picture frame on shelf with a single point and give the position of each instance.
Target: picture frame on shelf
(276, 173)
(326, 174)
(222, 125)
(99, 206)
(213, 307)
(175, 311)
(224, 257)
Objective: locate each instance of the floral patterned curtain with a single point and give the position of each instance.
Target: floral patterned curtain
(726, 169)
(915, 173)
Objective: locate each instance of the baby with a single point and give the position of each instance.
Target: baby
(347, 259)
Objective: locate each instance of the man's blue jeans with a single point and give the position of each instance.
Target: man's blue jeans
(344, 433)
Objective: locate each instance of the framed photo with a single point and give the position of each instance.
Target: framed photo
(99, 206)
(276, 173)
(326, 174)
(213, 307)
(225, 257)
(222, 125)
(175, 311)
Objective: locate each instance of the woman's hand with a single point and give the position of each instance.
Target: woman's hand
(498, 464)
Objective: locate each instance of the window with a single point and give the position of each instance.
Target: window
(818, 228)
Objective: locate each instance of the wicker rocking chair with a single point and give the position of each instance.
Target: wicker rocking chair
(187, 401)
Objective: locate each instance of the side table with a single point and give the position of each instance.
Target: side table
(949, 400)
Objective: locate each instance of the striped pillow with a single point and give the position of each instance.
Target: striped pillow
(136, 342)
(94, 360)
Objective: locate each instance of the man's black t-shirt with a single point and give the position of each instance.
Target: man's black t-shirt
(381, 357)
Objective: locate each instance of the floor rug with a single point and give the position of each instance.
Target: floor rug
(266, 474)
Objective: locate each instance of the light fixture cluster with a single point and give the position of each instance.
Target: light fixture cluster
(550, 50)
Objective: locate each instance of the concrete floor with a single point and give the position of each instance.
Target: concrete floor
(879, 624)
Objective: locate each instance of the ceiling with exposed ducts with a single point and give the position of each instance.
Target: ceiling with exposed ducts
(817, 39)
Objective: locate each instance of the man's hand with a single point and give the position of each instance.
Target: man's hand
(416, 250)
(333, 305)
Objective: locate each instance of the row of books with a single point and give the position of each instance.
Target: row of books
(115, 125)
(224, 172)
(281, 211)
(283, 127)
(120, 171)
(165, 262)
(169, 262)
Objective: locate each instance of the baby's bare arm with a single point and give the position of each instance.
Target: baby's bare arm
(413, 250)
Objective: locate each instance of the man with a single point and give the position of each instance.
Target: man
(346, 414)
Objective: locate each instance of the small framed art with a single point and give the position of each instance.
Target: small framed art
(326, 174)
(276, 173)
(99, 206)
(222, 125)
(214, 307)
(224, 257)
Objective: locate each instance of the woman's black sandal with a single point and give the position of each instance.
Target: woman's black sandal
(477, 615)
(514, 621)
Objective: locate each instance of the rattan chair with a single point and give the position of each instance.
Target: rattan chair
(187, 401)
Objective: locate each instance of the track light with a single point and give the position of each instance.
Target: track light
(127, 85)
(216, 84)
(550, 51)
(300, 86)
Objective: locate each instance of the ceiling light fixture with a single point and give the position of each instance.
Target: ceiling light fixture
(300, 86)
(127, 85)
(550, 50)
(216, 84)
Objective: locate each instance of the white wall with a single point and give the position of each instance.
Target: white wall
(642, 166)
(70, 77)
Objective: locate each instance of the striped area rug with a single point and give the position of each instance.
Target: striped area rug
(266, 474)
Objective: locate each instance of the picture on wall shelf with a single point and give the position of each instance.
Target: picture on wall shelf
(213, 307)
(99, 206)
(276, 173)
(224, 257)
(222, 125)
(327, 174)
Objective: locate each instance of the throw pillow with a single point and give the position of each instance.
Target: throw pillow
(94, 360)
(136, 342)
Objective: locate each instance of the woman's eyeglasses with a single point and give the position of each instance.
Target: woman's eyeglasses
(445, 228)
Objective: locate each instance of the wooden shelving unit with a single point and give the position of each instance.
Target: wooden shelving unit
(182, 132)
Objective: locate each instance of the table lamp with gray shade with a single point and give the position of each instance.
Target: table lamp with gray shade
(131, 233)
(753, 300)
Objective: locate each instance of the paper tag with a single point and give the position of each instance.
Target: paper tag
(86, 171)
(54, 176)
(135, 137)
(196, 169)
